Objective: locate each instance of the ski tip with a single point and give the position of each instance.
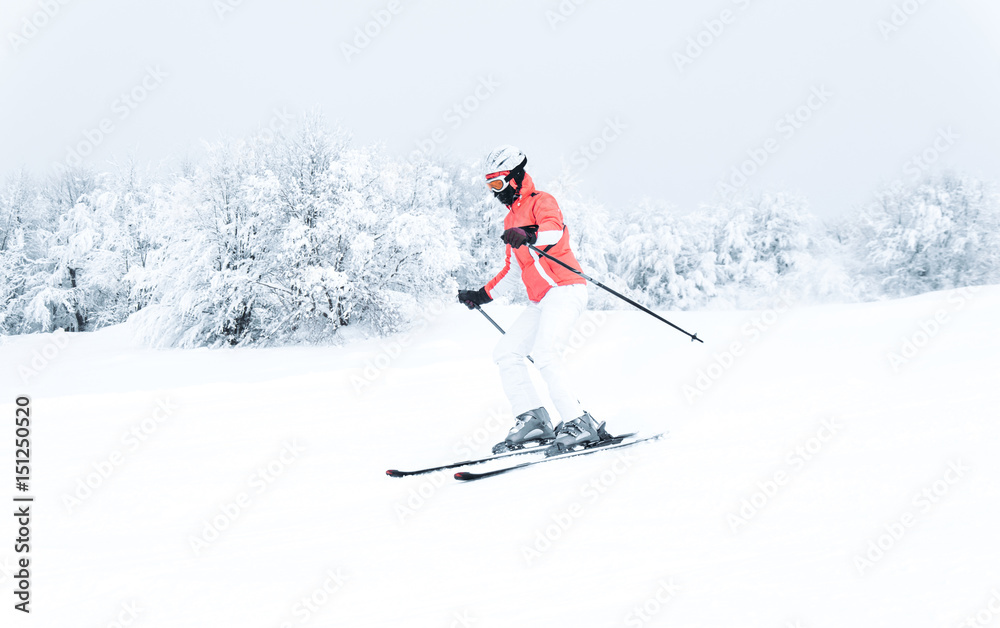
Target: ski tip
(393, 473)
(462, 475)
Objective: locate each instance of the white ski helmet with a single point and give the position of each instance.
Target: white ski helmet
(504, 158)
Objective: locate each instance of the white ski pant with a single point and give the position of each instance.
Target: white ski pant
(541, 332)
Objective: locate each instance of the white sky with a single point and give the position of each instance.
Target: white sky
(555, 87)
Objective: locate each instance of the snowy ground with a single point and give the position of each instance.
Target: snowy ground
(797, 446)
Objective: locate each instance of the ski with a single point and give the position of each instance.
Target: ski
(467, 476)
(395, 473)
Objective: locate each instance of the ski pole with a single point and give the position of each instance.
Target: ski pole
(617, 294)
(499, 328)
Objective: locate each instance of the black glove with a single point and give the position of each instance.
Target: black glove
(472, 298)
(519, 236)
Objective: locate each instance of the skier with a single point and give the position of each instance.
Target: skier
(558, 298)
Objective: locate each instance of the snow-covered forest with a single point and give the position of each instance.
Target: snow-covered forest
(287, 238)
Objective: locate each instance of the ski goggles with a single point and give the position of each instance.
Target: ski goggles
(498, 180)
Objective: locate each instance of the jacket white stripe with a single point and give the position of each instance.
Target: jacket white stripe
(510, 277)
(541, 271)
(548, 238)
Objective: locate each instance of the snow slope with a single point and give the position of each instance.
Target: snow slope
(263, 483)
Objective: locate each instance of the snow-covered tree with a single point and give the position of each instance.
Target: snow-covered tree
(290, 237)
(665, 258)
(296, 237)
(68, 235)
(938, 234)
(20, 219)
(762, 247)
(205, 279)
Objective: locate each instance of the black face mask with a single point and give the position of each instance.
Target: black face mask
(509, 194)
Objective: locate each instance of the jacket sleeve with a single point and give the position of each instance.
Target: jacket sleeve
(549, 219)
(507, 279)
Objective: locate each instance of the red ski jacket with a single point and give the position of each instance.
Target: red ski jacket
(538, 273)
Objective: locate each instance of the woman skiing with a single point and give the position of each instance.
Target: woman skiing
(558, 298)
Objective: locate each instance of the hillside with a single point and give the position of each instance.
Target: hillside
(240, 482)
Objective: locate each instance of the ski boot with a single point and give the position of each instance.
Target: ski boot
(534, 426)
(580, 433)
